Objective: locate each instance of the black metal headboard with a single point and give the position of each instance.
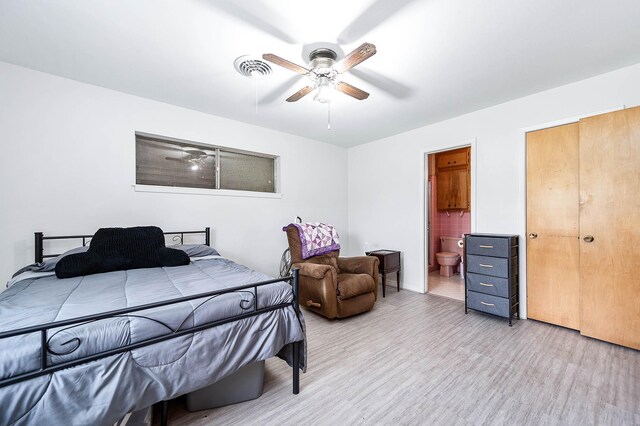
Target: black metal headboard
(178, 238)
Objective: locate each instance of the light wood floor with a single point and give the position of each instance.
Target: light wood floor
(451, 287)
(418, 359)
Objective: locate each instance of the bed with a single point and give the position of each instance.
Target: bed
(90, 349)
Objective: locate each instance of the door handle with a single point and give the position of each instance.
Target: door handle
(533, 235)
(588, 238)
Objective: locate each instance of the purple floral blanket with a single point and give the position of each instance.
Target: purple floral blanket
(316, 238)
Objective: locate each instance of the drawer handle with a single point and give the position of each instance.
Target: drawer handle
(481, 246)
(486, 266)
(487, 304)
(486, 285)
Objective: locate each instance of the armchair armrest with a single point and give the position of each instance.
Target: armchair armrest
(359, 265)
(318, 288)
(313, 270)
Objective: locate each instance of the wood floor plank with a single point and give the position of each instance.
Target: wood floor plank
(418, 359)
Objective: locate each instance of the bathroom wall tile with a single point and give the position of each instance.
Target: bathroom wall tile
(453, 224)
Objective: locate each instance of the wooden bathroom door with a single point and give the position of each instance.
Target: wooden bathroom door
(553, 286)
(610, 213)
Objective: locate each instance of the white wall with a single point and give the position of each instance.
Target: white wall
(67, 167)
(385, 187)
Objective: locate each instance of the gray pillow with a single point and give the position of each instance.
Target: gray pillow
(196, 250)
(50, 264)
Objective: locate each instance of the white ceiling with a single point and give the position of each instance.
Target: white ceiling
(436, 58)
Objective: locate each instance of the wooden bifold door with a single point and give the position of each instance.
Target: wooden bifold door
(553, 249)
(583, 226)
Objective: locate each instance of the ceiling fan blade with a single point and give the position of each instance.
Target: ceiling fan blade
(169, 146)
(173, 148)
(257, 16)
(284, 63)
(363, 52)
(370, 18)
(182, 160)
(352, 91)
(300, 93)
(392, 87)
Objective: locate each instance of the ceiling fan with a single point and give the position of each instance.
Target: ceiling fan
(323, 72)
(194, 158)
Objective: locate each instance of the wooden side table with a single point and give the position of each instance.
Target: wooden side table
(389, 262)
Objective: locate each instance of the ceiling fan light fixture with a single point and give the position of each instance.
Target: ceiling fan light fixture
(324, 95)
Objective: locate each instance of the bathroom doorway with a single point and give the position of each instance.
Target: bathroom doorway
(447, 219)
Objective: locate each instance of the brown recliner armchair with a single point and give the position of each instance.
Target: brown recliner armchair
(336, 287)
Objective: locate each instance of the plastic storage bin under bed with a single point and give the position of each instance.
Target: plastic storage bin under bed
(243, 385)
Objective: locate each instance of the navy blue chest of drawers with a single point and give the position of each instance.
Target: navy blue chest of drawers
(491, 274)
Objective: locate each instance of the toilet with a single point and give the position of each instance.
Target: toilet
(450, 255)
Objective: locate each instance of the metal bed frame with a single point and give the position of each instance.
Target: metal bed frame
(252, 309)
(39, 256)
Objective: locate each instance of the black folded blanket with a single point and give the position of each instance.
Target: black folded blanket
(117, 249)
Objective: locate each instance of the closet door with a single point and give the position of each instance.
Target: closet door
(610, 227)
(553, 287)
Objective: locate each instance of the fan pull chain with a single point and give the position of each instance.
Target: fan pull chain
(328, 115)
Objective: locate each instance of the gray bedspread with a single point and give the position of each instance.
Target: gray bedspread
(103, 391)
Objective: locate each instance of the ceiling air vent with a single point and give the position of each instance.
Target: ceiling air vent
(251, 67)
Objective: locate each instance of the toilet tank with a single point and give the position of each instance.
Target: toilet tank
(450, 244)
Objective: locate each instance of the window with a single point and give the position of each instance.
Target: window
(175, 163)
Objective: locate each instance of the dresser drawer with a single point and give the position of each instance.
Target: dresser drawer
(488, 285)
(494, 266)
(489, 304)
(488, 246)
